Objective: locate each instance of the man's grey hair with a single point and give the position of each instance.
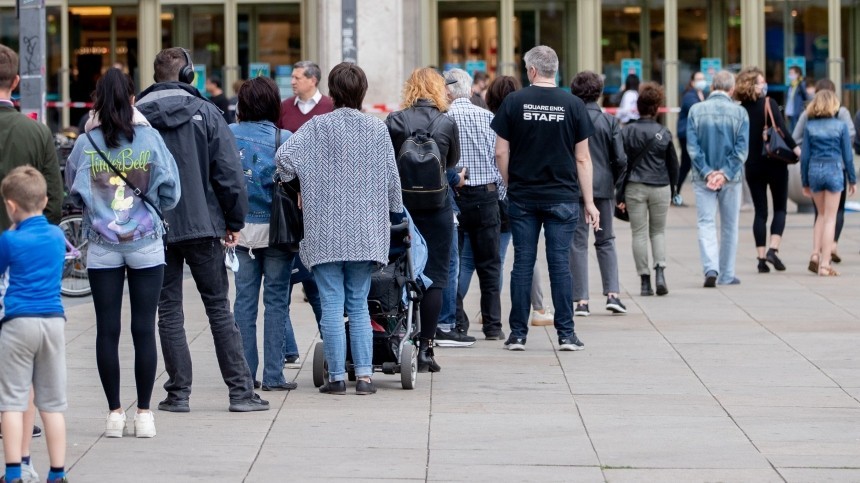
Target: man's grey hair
(723, 81)
(543, 59)
(463, 86)
(311, 69)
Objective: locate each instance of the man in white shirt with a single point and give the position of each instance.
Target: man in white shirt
(307, 101)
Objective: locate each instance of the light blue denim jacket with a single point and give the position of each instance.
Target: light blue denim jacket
(718, 137)
(255, 141)
(827, 140)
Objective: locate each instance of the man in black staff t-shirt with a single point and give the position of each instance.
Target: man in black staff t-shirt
(542, 153)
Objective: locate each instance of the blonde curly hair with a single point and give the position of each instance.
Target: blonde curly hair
(745, 84)
(425, 83)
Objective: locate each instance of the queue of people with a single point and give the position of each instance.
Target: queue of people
(164, 182)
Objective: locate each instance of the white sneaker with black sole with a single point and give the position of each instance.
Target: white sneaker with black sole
(615, 306)
(571, 343)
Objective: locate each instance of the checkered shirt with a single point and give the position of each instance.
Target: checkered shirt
(477, 144)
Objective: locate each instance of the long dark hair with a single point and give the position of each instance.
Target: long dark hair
(113, 106)
(498, 89)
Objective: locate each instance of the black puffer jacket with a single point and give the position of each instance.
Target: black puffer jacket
(608, 160)
(659, 166)
(214, 197)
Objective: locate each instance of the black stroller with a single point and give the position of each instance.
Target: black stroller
(393, 302)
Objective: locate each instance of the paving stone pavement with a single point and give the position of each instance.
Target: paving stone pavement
(754, 383)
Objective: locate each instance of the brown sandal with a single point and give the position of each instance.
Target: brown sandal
(835, 258)
(813, 264)
(827, 271)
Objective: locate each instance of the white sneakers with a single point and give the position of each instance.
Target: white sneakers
(542, 318)
(115, 424)
(144, 424)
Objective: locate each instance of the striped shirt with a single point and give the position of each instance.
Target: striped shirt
(477, 144)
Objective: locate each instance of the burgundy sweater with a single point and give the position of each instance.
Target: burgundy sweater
(292, 118)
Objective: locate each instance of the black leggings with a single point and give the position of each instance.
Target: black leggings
(686, 163)
(144, 287)
(760, 176)
(431, 305)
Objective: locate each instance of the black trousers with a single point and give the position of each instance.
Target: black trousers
(144, 287)
(479, 218)
(762, 175)
(686, 163)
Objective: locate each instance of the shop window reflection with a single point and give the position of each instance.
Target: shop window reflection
(795, 29)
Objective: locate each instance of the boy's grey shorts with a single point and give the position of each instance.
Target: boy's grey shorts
(33, 351)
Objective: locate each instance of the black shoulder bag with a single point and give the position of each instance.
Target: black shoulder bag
(131, 185)
(631, 165)
(286, 223)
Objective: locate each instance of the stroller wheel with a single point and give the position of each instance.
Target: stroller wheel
(320, 367)
(408, 366)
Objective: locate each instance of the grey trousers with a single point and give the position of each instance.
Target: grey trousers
(648, 206)
(604, 243)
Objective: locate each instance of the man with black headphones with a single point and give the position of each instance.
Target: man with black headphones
(213, 207)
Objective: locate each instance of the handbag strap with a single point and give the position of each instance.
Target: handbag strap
(768, 114)
(131, 185)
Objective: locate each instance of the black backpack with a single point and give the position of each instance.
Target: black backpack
(422, 171)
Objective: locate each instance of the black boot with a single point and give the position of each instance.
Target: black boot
(646, 285)
(426, 362)
(660, 281)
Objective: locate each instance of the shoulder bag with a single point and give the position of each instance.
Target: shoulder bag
(775, 147)
(286, 224)
(131, 185)
(631, 165)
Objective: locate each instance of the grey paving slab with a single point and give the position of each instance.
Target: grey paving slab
(784, 396)
(513, 473)
(299, 462)
(819, 475)
(637, 475)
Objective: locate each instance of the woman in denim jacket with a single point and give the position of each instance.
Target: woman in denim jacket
(125, 236)
(826, 153)
(257, 139)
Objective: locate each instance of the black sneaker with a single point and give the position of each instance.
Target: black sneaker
(453, 338)
(174, 406)
(711, 279)
(364, 388)
(615, 306)
(257, 384)
(494, 334)
(571, 343)
(287, 386)
(515, 343)
(250, 404)
(581, 310)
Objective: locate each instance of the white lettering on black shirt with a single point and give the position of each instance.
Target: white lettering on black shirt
(533, 112)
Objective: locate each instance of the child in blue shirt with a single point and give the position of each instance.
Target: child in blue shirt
(32, 339)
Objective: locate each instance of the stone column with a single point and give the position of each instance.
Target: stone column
(752, 33)
(65, 64)
(588, 35)
(149, 39)
(670, 69)
(835, 62)
(231, 70)
(506, 39)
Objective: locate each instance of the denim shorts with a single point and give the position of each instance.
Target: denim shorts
(147, 256)
(826, 175)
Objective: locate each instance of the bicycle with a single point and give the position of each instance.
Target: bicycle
(76, 282)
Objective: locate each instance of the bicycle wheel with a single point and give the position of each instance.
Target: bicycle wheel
(76, 283)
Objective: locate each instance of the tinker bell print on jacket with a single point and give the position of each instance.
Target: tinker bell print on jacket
(113, 214)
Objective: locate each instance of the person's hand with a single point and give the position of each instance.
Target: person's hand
(807, 192)
(592, 216)
(231, 239)
(852, 188)
(716, 180)
(462, 175)
(622, 206)
(797, 151)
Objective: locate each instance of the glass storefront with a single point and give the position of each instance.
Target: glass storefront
(468, 36)
(543, 23)
(269, 35)
(851, 53)
(795, 32)
(632, 29)
(707, 28)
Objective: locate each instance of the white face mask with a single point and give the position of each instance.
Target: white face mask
(764, 90)
(700, 85)
(792, 77)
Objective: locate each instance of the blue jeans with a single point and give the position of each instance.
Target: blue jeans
(559, 223)
(271, 268)
(447, 316)
(301, 275)
(345, 285)
(718, 256)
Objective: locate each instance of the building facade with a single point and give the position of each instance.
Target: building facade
(664, 40)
